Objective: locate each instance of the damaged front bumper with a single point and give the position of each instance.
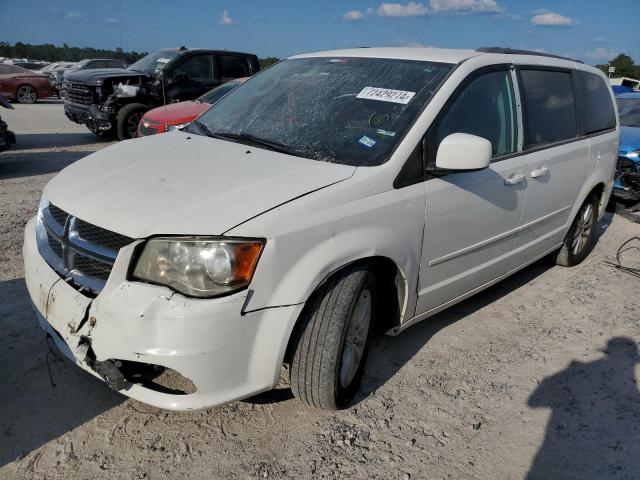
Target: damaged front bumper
(132, 329)
(89, 114)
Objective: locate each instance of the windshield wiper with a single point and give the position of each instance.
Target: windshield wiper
(203, 128)
(252, 140)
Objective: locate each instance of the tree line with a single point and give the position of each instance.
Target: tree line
(53, 53)
(624, 65)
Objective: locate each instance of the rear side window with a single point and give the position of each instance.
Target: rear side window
(597, 113)
(233, 66)
(198, 67)
(550, 114)
(484, 108)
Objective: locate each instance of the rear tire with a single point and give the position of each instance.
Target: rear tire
(333, 340)
(579, 240)
(128, 119)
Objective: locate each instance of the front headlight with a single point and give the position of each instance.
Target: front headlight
(199, 267)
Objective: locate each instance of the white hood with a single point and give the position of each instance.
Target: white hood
(183, 184)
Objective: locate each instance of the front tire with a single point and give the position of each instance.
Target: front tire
(128, 119)
(579, 240)
(333, 340)
(26, 94)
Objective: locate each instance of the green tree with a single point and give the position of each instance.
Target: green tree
(624, 65)
(266, 62)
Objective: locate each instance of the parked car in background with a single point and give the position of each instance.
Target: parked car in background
(332, 196)
(619, 89)
(114, 101)
(178, 115)
(55, 71)
(25, 86)
(56, 66)
(87, 64)
(627, 182)
(34, 66)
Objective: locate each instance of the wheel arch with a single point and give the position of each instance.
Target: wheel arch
(392, 289)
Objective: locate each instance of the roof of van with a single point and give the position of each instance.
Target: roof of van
(444, 55)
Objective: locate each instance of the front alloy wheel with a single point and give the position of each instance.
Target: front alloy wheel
(356, 338)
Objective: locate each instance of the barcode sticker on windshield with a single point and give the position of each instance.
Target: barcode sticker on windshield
(386, 95)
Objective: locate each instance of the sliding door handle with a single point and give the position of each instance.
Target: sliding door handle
(514, 179)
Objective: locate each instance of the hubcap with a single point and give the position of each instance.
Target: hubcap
(354, 343)
(583, 230)
(26, 95)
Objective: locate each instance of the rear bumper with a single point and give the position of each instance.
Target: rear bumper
(227, 355)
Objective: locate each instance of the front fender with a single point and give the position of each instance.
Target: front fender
(309, 241)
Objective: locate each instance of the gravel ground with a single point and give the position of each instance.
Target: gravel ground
(533, 378)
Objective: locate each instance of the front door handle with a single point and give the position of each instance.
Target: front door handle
(540, 172)
(514, 179)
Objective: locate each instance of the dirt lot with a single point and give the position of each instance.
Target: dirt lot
(535, 378)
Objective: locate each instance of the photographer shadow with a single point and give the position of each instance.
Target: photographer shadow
(594, 429)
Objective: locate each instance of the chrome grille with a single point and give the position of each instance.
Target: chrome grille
(80, 252)
(60, 216)
(76, 93)
(100, 236)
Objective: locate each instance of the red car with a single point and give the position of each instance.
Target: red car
(25, 86)
(177, 115)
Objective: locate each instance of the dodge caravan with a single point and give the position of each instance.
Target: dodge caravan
(329, 197)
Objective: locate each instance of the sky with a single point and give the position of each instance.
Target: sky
(590, 30)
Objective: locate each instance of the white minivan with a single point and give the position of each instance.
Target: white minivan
(330, 197)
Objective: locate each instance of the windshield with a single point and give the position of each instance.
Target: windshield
(345, 110)
(154, 61)
(629, 111)
(217, 93)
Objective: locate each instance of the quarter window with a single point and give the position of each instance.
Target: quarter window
(596, 111)
(550, 114)
(484, 108)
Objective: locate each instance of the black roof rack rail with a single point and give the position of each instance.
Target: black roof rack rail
(515, 51)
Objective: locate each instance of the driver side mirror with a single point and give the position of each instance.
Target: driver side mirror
(463, 152)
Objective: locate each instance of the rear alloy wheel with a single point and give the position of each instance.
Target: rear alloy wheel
(333, 339)
(26, 94)
(577, 244)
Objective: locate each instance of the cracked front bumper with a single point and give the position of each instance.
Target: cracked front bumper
(227, 355)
